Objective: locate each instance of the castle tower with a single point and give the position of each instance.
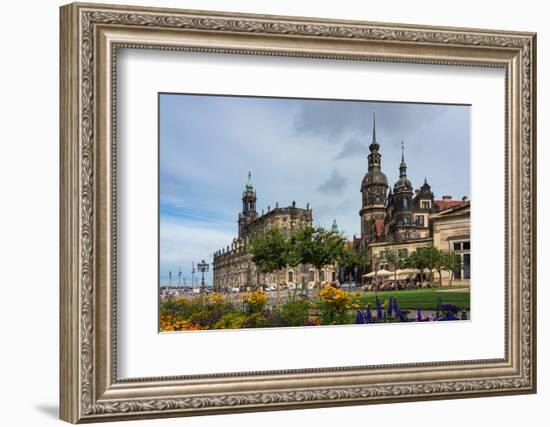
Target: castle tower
(402, 217)
(248, 213)
(373, 189)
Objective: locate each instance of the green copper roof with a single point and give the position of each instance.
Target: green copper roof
(249, 185)
(334, 226)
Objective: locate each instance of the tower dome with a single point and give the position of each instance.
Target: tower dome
(374, 174)
(374, 189)
(403, 183)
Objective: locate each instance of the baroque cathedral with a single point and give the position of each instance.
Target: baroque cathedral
(397, 217)
(232, 266)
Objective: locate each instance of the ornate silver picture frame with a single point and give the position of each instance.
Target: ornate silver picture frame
(91, 36)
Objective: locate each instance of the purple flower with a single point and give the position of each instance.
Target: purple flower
(369, 317)
(390, 308)
(379, 310)
(451, 308)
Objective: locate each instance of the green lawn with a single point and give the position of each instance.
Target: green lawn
(426, 299)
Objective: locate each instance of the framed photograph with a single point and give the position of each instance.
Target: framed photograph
(265, 212)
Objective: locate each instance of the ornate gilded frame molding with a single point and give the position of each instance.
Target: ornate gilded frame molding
(90, 36)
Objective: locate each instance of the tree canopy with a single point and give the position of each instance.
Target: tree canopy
(270, 250)
(317, 246)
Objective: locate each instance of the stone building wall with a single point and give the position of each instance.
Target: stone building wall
(233, 267)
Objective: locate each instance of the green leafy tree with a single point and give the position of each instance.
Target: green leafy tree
(451, 262)
(430, 259)
(421, 259)
(348, 261)
(364, 260)
(376, 260)
(396, 260)
(439, 264)
(271, 252)
(316, 246)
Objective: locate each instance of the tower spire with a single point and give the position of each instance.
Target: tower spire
(373, 124)
(403, 165)
(374, 156)
(334, 226)
(249, 185)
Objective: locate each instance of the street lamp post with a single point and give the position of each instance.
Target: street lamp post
(203, 268)
(193, 276)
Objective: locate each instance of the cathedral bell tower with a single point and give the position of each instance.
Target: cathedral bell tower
(248, 213)
(373, 188)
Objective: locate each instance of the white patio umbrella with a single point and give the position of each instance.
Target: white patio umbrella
(379, 273)
(384, 272)
(406, 272)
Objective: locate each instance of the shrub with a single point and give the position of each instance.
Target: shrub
(255, 320)
(233, 320)
(295, 312)
(196, 312)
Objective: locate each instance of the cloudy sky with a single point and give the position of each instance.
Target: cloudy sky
(310, 151)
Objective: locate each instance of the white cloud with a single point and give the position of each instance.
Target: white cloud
(182, 243)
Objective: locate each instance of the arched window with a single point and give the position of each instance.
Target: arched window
(311, 276)
(405, 203)
(290, 276)
(322, 277)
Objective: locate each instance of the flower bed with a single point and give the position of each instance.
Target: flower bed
(332, 306)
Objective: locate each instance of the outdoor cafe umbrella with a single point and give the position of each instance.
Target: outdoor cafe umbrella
(379, 273)
(407, 272)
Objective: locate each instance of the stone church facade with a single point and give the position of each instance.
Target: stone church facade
(233, 267)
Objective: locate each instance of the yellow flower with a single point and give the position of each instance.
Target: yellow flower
(332, 296)
(216, 298)
(256, 298)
